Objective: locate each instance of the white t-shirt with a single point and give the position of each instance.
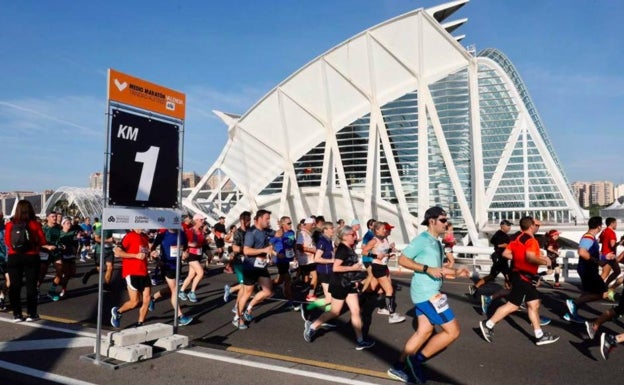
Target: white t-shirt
(305, 238)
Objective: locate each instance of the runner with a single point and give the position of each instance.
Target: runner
(169, 254)
(593, 287)
(52, 230)
(526, 257)
(610, 267)
(258, 252)
(500, 265)
(552, 251)
(134, 251)
(324, 259)
(219, 239)
(342, 287)
(196, 242)
(237, 258)
(67, 244)
(379, 249)
(305, 255)
(109, 257)
(424, 256)
(284, 246)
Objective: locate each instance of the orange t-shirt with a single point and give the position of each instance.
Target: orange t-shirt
(519, 247)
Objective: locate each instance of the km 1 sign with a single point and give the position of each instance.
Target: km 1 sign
(144, 161)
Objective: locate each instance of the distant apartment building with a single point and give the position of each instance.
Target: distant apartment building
(96, 181)
(594, 193)
(190, 179)
(618, 191)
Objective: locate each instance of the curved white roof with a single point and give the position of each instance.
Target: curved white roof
(374, 67)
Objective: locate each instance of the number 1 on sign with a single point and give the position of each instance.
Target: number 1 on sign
(148, 158)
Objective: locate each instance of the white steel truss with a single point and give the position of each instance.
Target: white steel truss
(395, 119)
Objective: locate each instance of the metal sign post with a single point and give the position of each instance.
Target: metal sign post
(143, 163)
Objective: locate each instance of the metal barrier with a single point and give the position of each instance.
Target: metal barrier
(478, 259)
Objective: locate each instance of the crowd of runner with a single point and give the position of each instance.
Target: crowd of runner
(319, 265)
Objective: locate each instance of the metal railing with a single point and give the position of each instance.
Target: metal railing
(479, 261)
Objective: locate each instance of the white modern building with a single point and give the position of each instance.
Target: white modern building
(392, 121)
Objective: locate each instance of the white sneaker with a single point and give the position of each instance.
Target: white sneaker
(589, 326)
(383, 311)
(396, 318)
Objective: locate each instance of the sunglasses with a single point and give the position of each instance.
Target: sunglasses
(443, 220)
(288, 223)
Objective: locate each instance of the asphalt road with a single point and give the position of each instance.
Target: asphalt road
(272, 350)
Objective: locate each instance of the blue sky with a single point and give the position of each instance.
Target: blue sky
(225, 55)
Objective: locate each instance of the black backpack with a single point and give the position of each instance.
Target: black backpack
(20, 237)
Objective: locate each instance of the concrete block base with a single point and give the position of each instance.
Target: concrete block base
(130, 353)
(172, 343)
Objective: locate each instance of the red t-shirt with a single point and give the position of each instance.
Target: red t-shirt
(132, 243)
(196, 241)
(519, 247)
(35, 230)
(606, 237)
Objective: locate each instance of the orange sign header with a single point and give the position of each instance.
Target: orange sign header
(139, 93)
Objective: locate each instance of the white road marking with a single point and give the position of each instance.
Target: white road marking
(41, 374)
(88, 339)
(275, 368)
(55, 343)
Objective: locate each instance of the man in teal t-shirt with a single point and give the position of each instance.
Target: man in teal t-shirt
(424, 257)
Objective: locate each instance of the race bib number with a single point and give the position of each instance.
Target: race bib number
(289, 253)
(174, 251)
(43, 256)
(260, 263)
(440, 302)
(195, 250)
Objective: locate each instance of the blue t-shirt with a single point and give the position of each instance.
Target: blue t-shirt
(426, 250)
(256, 239)
(590, 244)
(284, 246)
(327, 246)
(367, 237)
(88, 229)
(167, 241)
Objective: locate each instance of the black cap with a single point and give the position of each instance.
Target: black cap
(506, 222)
(432, 212)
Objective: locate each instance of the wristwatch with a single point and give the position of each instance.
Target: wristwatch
(425, 267)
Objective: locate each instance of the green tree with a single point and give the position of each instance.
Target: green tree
(594, 210)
